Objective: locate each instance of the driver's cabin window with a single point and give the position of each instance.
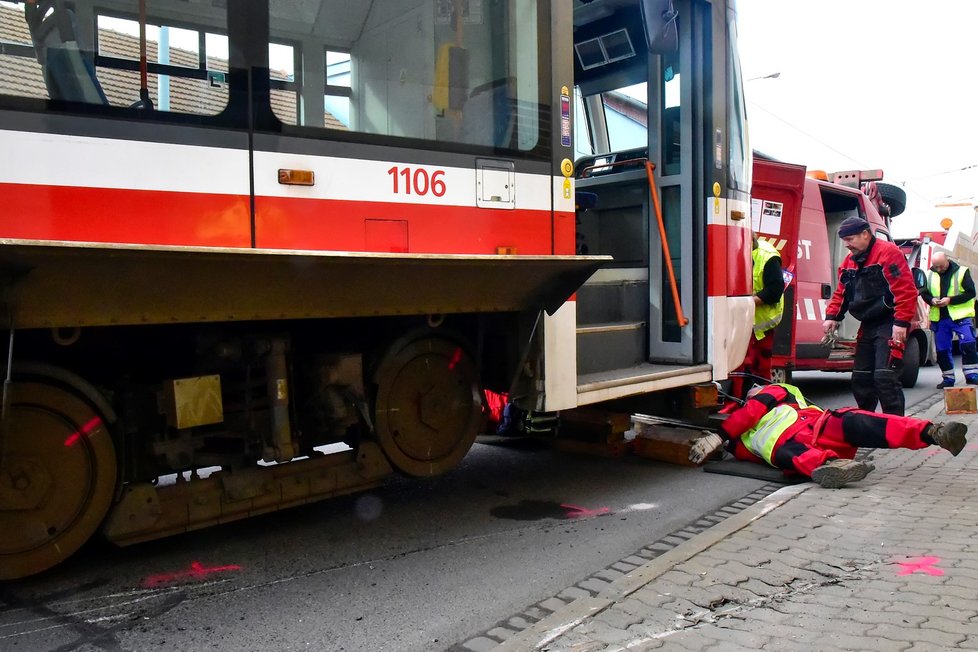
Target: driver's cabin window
(626, 114)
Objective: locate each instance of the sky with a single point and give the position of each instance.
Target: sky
(869, 84)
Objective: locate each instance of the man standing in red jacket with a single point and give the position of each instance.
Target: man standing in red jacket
(876, 287)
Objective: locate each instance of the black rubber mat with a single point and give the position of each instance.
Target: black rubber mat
(751, 470)
(520, 442)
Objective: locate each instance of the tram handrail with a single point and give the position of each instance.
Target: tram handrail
(649, 171)
(680, 317)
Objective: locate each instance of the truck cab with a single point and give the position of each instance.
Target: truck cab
(800, 211)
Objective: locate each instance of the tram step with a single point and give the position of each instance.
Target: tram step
(599, 303)
(604, 347)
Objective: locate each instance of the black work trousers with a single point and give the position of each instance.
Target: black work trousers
(875, 378)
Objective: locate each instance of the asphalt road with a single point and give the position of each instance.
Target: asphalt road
(832, 390)
(414, 565)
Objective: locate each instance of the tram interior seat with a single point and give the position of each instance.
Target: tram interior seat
(69, 71)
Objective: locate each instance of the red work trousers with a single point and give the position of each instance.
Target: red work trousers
(841, 432)
(757, 361)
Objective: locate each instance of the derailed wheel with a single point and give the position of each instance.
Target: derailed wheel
(428, 407)
(57, 478)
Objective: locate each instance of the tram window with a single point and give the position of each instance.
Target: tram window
(415, 69)
(46, 53)
(282, 72)
(187, 67)
(626, 114)
(289, 73)
(20, 72)
(339, 82)
(738, 152)
(583, 144)
(109, 45)
(672, 135)
(69, 52)
(672, 211)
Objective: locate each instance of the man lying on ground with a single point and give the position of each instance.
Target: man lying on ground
(777, 426)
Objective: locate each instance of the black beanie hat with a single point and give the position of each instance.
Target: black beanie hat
(852, 225)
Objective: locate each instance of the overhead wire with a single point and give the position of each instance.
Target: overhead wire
(945, 172)
(903, 184)
(805, 133)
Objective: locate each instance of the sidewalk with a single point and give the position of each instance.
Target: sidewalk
(889, 563)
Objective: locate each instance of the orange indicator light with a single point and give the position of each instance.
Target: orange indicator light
(296, 177)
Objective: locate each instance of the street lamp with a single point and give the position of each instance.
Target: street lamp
(773, 75)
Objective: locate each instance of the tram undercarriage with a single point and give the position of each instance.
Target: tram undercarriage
(110, 426)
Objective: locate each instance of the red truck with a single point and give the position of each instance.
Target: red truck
(799, 212)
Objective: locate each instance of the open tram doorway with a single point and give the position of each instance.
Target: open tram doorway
(629, 109)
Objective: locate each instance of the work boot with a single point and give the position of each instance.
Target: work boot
(949, 435)
(840, 472)
(948, 382)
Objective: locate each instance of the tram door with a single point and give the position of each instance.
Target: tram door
(677, 148)
(628, 324)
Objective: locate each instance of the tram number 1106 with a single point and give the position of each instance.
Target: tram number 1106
(418, 181)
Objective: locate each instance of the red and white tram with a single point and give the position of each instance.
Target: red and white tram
(233, 232)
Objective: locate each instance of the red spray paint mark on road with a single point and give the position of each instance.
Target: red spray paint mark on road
(196, 571)
(573, 511)
(76, 436)
(921, 564)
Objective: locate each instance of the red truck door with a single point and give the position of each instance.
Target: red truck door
(776, 201)
(819, 255)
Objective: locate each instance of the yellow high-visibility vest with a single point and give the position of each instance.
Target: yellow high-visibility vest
(766, 316)
(955, 310)
(760, 440)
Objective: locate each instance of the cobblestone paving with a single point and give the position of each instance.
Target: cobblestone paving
(890, 563)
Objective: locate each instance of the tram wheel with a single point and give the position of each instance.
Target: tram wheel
(428, 407)
(57, 478)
